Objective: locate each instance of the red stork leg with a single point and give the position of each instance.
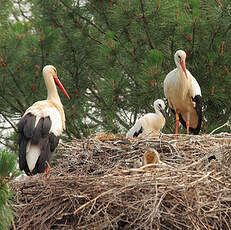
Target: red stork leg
(47, 170)
(187, 125)
(177, 122)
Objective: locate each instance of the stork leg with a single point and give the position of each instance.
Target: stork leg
(47, 170)
(177, 122)
(187, 123)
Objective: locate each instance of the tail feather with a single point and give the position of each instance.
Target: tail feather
(32, 155)
(22, 152)
(135, 130)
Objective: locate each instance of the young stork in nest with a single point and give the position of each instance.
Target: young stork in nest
(41, 127)
(184, 95)
(150, 123)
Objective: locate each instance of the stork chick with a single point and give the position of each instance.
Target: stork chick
(150, 123)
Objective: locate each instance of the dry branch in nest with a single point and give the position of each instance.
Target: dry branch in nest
(95, 184)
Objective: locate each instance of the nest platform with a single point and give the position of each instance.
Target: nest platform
(101, 183)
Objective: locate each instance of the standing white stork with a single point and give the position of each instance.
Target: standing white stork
(41, 126)
(150, 123)
(184, 95)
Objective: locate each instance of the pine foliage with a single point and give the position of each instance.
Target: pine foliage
(8, 172)
(112, 57)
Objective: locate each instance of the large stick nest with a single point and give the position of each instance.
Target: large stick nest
(98, 183)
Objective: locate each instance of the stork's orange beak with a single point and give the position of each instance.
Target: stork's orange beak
(61, 87)
(182, 63)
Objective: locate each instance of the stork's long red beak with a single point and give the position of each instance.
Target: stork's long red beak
(61, 87)
(182, 63)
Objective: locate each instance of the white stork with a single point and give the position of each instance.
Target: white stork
(41, 126)
(150, 123)
(184, 95)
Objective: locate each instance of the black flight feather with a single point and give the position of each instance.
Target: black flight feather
(38, 135)
(37, 132)
(46, 126)
(137, 133)
(29, 125)
(54, 141)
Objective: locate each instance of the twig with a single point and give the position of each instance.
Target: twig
(12, 125)
(93, 200)
(226, 124)
(13, 225)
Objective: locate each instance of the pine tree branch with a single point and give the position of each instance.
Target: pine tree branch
(95, 71)
(126, 71)
(93, 118)
(11, 123)
(10, 104)
(107, 108)
(83, 18)
(21, 10)
(213, 37)
(70, 42)
(132, 54)
(6, 145)
(99, 98)
(15, 16)
(123, 123)
(12, 75)
(103, 13)
(64, 33)
(72, 133)
(106, 20)
(145, 25)
(42, 47)
(228, 29)
(126, 32)
(81, 27)
(193, 34)
(85, 33)
(17, 99)
(96, 96)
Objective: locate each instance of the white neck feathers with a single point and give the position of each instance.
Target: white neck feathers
(52, 92)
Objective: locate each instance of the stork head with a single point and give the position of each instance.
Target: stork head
(50, 70)
(160, 106)
(180, 57)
